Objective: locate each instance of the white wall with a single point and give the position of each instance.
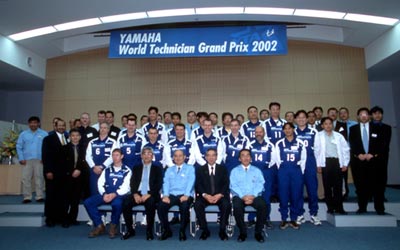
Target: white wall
(385, 94)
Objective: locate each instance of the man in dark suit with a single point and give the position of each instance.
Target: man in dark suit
(146, 183)
(76, 166)
(212, 188)
(366, 151)
(385, 132)
(55, 174)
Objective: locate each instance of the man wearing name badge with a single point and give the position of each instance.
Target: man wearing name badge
(113, 186)
(212, 188)
(131, 144)
(177, 190)
(55, 173)
(114, 130)
(29, 149)
(368, 174)
(98, 155)
(146, 183)
(247, 185)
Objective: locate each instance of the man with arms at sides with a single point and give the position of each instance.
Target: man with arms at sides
(385, 132)
(344, 118)
(205, 141)
(248, 127)
(226, 128)
(176, 119)
(56, 176)
(264, 115)
(191, 123)
(161, 151)
(368, 174)
(98, 155)
(29, 149)
(201, 117)
(101, 117)
(212, 188)
(247, 185)
(333, 155)
(232, 145)
(181, 143)
(307, 135)
(146, 183)
(87, 132)
(114, 130)
(76, 166)
(131, 144)
(263, 157)
(177, 190)
(153, 123)
(113, 186)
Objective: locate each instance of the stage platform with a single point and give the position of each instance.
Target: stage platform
(12, 210)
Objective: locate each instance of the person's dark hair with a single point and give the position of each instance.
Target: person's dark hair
(326, 118)
(130, 119)
(180, 125)
(152, 108)
(103, 112)
(318, 108)
(191, 111)
(117, 150)
(202, 114)
(274, 104)
(288, 124)
(251, 107)
(110, 112)
(301, 111)
(176, 114)
(244, 150)
(166, 113)
(74, 130)
(225, 114)
(332, 108)
(363, 109)
(34, 119)
(376, 109)
(133, 115)
(344, 108)
(212, 113)
(263, 110)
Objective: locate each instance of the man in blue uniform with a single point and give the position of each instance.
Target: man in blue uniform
(249, 127)
(161, 151)
(153, 123)
(131, 144)
(181, 143)
(247, 185)
(113, 186)
(98, 155)
(178, 189)
(226, 128)
(191, 123)
(307, 135)
(263, 157)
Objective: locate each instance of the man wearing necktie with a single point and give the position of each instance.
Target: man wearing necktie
(365, 145)
(146, 183)
(177, 190)
(212, 188)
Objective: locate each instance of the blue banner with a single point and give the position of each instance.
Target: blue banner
(195, 42)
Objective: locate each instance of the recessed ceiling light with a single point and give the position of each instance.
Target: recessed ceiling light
(32, 33)
(220, 10)
(123, 17)
(371, 19)
(171, 12)
(319, 13)
(268, 11)
(78, 24)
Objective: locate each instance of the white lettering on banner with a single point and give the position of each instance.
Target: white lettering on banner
(140, 38)
(175, 49)
(129, 50)
(238, 47)
(204, 48)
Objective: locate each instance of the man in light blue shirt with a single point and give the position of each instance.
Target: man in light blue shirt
(178, 189)
(29, 149)
(247, 185)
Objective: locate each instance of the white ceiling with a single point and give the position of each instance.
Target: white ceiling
(21, 15)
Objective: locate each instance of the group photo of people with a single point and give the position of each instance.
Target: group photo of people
(299, 160)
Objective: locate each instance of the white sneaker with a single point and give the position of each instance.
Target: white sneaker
(144, 221)
(300, 219)
(315, 220)
(90, 223)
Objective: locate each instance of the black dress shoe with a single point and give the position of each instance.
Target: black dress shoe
(204, 235)
(223, 236)
(241, 237)
(166, 234)
(128, 234)
(380, 213)
(149, 236)
(182, 236)
(361, 211)
(174, 220)
(259, 237)
(26, 201)
(41, 200)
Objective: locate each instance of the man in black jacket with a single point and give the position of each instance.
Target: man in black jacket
(146, 183)
(212, 188)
